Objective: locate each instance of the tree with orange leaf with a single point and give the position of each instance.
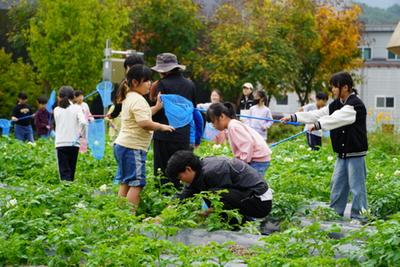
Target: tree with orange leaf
(326, 39)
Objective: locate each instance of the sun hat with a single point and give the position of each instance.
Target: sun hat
(166, 62)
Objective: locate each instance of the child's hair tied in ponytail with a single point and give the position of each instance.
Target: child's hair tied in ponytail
(66, 93)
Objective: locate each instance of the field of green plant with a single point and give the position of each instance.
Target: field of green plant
(47, 222)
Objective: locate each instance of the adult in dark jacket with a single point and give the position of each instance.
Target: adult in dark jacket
(172, 82)
(247, 190)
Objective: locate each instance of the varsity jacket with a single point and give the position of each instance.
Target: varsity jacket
(347, 123)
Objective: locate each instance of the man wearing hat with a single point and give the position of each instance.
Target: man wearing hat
(172, 82)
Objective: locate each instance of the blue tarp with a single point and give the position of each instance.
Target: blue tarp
(5, 127)
(104, 89)
(96, 138)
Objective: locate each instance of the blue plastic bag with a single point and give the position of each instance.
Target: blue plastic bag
(96, 138)
(5, 126)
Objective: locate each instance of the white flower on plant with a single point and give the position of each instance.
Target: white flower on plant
(278, 157)
(379, 175)
(309, 149)
(397, 173)
(288, 160)
(216, 146)
(394, 160)
(31, 143)
(330, 158)
(12, 203)
(302, 146)
(103, 188)
(80, 205)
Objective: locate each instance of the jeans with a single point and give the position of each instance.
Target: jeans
(349, 176)
(23, 133)
(260, 167)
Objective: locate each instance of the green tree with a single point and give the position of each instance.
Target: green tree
(19, 16)
(14, 78)
(247, 44)
(325, 39)
(67, 38)
(166, 26)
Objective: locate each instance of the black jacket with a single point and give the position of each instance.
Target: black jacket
(219, 173)
(350, 140)
(246, 103)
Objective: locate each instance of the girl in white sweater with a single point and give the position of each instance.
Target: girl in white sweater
(70, 125)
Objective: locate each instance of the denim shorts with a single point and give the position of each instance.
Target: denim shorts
(131, 166)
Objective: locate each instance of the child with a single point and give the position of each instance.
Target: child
(22, 116)
(42, 118)
(210, 133)
(246, 143)
(346, 119)
(246, 101)
(70, 124)
(134, 138)
(88, 116)
(314, 138)
(246, 190)
(262, 111)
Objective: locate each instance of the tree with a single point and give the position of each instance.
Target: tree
(166, 26)
(19, 16)
(326, 41)
(247, 44)
(15, 77)
(67, 39)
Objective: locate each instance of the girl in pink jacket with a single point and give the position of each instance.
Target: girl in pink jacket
(246, 143)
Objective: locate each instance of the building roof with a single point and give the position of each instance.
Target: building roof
(382, 63)
(379, 28)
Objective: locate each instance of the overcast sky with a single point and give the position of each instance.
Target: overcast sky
(379, 3)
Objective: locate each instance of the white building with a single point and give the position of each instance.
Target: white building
(380, 87)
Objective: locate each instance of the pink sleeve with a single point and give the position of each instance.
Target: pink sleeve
(241, 142)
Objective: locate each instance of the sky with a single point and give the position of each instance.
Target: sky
(379, 3)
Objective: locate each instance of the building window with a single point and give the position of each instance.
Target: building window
(392, 56)
(385, 102)
(366, 53)
(282, 100)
